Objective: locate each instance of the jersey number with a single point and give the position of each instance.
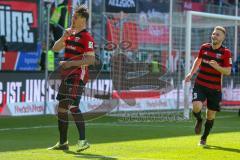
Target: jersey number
(194, 95)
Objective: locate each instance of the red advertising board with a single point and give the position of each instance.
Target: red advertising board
(152, 33)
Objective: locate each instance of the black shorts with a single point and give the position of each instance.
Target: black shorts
(71, 89)
(213, 97)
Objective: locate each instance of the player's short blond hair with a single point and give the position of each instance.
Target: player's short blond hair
(220, 28)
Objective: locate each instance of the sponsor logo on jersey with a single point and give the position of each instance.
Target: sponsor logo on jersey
(76, 39)
(205, 61)
(71, 47)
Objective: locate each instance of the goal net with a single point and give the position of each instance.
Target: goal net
(198, 27)
(142, 81)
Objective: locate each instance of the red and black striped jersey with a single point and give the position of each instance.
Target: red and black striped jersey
(76, 46)
(207, 75)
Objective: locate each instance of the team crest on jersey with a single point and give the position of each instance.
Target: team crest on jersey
(218, 56)
(77, 39)
(90, 44)
(205, 53)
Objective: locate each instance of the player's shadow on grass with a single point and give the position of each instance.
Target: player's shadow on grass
(90, 156)
(222, 148)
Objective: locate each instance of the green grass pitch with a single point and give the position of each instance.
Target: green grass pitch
(26, 138)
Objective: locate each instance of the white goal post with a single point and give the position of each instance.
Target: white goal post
(188, 41)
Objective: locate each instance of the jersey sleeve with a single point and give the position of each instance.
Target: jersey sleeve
(227, 61)
(89, 44)
(200, 53)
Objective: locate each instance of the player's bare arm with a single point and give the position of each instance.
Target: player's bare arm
(59, 44)
(194, 69)
(89, 59)
(223, 70)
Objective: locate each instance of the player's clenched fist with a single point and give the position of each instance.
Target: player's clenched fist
(188, 77)
(67, 32)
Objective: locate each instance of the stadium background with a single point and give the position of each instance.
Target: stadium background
(153, 129)
(22, 83)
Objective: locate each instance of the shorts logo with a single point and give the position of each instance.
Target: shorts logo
(90, 45)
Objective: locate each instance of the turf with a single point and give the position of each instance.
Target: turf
(26, 138)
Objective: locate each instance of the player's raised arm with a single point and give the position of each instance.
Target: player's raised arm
(60, 44)
(224, 70)
(88, 59)
(227, 64)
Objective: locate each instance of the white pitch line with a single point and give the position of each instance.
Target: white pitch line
(115, 124)
(89, 124)
(25, 128)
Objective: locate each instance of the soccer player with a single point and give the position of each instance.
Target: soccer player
(79, 54)
(213, 61)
